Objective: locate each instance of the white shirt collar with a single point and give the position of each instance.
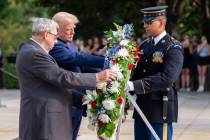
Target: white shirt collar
(40, 45)
(159, 37)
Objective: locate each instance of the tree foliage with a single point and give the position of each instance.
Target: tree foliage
(15, 24)
(184, 16)
(98, 15)
(189, 17)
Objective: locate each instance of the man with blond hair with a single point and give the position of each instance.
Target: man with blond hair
(67, 56)
(45, 100)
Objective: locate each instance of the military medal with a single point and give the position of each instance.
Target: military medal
(157, 57)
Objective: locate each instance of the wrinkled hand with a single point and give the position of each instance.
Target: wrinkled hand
(105, 75)
(129, 86)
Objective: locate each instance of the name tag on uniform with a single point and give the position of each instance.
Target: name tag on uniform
(157, 57)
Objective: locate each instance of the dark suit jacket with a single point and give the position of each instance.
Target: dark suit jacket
(68, 57)
(44, 108)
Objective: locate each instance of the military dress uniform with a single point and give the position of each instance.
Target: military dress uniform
(154, 81)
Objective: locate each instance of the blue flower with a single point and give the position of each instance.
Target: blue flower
(127, 28)
(114, 50)
(102, 110)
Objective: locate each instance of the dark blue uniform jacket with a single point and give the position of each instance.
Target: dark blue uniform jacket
(158, 69)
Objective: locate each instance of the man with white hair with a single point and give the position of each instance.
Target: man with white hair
(45, 100)
(67, 56)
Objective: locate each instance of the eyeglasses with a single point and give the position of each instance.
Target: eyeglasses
(55, 35)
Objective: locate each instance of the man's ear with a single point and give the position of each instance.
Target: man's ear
(161, 23)
(45, 34)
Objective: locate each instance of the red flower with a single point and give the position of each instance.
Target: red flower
(137, 47)
(131, 67)
(114, 61)
(129, 52)
(109, 85)
(120, 100)
(135, 52)
(100, 124)
(101, 138)
(93, 105)
(137, 58)
(98, 90)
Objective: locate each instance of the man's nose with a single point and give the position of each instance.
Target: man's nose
(72, 32)
(145, 25)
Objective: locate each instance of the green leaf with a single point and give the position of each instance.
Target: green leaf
(110, 128)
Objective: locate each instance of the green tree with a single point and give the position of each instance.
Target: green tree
(15, 24)
(98, 15)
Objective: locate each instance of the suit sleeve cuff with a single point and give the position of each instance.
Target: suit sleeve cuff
(139, 87)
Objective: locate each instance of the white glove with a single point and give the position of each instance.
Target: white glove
(129, 86)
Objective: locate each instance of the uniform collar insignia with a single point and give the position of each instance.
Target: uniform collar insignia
(163, 41)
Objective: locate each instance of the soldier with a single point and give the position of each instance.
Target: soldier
(153, 80)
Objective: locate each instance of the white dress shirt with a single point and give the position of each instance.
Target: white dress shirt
(40, 45)
(159, 37)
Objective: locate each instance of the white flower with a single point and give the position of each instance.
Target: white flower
(123, 53)
(114, 87)
(124, 42)
(91, 96)
(110, 38)
(115, 68)
(116, 34)
(119, 75)
(102, 86)
(109, 104)
(91, 126)
(104, 118)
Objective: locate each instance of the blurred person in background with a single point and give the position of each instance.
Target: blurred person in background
(102, 51)
(96, 46)
(185, 75)
(194, 70)
(89, 44)
(202, 51)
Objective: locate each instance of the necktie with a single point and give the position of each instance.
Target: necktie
(152, 42)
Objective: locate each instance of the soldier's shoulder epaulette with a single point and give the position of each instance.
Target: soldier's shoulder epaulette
(144, 41)
(175, 44)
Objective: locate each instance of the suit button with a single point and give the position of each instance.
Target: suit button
(146, 60)
(144, 70)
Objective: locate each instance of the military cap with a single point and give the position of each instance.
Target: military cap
(150, 13)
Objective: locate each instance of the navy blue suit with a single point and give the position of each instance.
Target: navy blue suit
(68, 57)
